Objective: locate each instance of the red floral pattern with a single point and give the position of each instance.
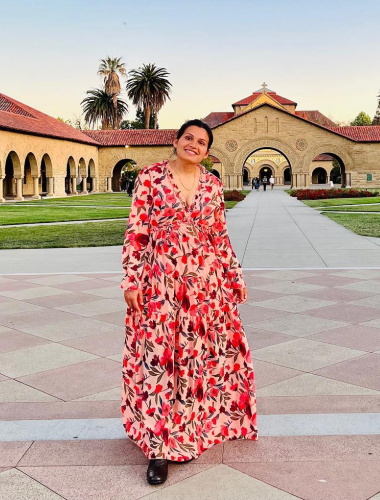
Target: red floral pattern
(188, 381)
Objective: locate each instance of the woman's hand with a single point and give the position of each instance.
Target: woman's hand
(241, 294)
(134, 300)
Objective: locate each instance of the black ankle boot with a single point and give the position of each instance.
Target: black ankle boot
(157, 472)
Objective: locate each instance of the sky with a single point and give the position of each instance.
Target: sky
(321, 54)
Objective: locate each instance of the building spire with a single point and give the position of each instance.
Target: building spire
(264, 89)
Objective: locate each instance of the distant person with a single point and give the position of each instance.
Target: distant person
(271, 182)
(265, 182)
(257, 184)
(253, 183)
(124, 185)
(331, 183)
(131, 184)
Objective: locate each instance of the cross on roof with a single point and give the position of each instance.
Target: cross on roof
(264, 88)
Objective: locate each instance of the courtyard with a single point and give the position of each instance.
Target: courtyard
(313, 327)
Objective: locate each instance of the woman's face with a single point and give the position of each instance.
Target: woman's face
(192, 146)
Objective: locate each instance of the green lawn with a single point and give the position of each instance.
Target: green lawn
(19, 214)
(337, 202)
(90, 234)
(104, 199)
(360, 208)
(366, 225)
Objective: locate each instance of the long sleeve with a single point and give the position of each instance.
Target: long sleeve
(223, 244)
(137, 232)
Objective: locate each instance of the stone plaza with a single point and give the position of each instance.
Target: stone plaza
(313, 325)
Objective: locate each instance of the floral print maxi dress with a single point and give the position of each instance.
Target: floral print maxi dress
(188, 381)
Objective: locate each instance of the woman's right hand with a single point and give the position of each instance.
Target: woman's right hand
(134, 300)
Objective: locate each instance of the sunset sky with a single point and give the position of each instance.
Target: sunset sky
(323, 55)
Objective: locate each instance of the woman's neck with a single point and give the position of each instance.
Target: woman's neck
(184, 166)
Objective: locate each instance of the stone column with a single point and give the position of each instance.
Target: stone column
(50, 187)
(74, 184)
(1, 190)
(19, 195)
(95, 188)
(36, 194)
(109, 184)
(84, 190)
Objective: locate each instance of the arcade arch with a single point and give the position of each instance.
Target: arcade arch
(123, 175)
(71, 177)
(12, 183)
(91, 177)
(265, 161)
(319, 176)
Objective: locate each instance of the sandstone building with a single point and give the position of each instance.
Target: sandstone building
(40, 155)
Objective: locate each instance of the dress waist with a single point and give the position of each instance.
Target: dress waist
(169, 226)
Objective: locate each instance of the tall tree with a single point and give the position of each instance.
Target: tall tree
(361, 119)
(376, 118)
(99, 107)
(148, 88)
(111, 68)
(139, 121)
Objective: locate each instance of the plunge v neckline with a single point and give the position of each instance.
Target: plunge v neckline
(179, 192)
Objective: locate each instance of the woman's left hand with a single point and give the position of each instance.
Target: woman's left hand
(241, 294)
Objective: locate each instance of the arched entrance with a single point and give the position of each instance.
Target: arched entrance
(265, 173)
(287, 176)
(267, 161)
(319, 176)
(13, 181)
(91, 176)
(123, 176)
(70, 179)
(332, 163)
(245, 176)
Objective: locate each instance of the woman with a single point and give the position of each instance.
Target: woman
(188, 380)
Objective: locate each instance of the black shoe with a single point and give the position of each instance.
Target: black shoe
(157, 472)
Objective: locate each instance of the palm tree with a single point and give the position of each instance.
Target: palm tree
(148, 88)
(109, 68)
(99, 106)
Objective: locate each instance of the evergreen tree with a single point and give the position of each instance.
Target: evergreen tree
(361, 119)
(376, 118)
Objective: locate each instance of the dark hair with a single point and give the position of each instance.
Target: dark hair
(200, 124)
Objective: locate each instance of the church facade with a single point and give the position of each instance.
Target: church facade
(41, 156)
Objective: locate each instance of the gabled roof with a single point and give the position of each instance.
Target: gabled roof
(368, 133)
(255, 95)
(364, 133)
(216, 117)
(143, 137)
(316, 117)
(18, 117)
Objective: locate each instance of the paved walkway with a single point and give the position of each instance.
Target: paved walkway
(267, 230)
(314, 334)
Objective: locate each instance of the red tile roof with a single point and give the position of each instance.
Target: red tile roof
(365, 133)
(143, 137)
(316, 117)
(18, 117)
(255, 95)
(323, 157)
(216, 117)
(214, 159)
